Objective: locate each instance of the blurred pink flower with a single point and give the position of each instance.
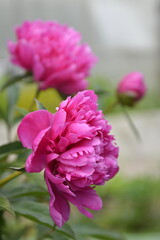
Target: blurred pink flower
(54, 55)
(75, 148)
(132, 86)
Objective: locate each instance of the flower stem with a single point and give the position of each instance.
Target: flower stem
(134, 129)
(9, 178)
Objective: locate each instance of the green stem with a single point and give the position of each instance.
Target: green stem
(134, 129)
(111, 107)
(9, 178)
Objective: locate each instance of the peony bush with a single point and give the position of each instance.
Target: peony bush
(73, 146)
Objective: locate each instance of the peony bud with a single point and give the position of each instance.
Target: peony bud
(131, 88)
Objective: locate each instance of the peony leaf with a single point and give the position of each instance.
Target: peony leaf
(96, 233)
(66, 230)
(14, 147)
(14, 80)
(26, 189)
(43, 233)
(6, 205)
(12, 98)
(40, 105)
(4, 166)
(37, 212)
(19, 169)
(2, 114)
(22, 111)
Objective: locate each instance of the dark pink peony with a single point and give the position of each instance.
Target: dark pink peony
(75, 149)
(132, 86)
(53, 53)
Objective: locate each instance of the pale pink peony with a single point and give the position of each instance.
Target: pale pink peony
(75, 149)
(133, 86)
(54, 55)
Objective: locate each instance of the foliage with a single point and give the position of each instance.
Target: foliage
(24, 211)
(130, 205)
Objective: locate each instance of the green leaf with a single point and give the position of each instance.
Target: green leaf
(67, 231)
(6, 205)
(47, 234)
(97, 233)
(26, 190)
(2, 114)
(12, 98)
(14, 147)
(16, 233)
(22, 111)
(39, 105)
(55, 236)
(4, 166)
(37, 212)
(19, 169)
(14, 80)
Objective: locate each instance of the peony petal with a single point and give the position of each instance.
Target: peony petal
(37, 160)
(70, 87)
(51, 177)
(86, 198)
(80, 130)
(38, 70)
(26, 54)
(59, 123)
(89, 199)
(32, 124)
(59, 181)
(59, 206)
(12, 47)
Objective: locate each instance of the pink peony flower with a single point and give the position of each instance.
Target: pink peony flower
(75, 148)
(53, 53)
(132, 86)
